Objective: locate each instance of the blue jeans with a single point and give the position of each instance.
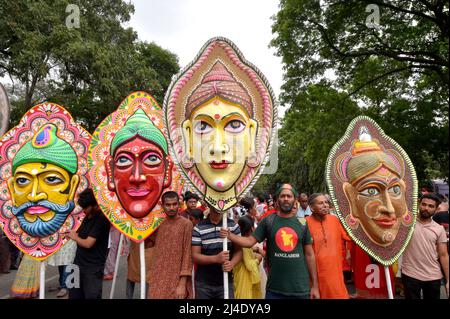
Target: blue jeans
(62, 276)
(275, 295)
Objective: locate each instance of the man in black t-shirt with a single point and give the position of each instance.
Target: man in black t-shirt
(92, 240)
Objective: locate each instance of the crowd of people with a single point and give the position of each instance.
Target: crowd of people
(281, 246)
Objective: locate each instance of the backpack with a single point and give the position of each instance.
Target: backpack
(268, 228)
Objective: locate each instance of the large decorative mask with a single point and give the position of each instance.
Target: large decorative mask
(130, 166)
(220, 118)
(43, 165)
(374, 189)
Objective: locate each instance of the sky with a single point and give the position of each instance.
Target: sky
(184, 26)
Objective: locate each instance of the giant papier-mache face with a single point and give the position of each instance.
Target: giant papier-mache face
(220, 118)
(378, 202)
(43, 184)
(130, 166)
(43, 165)
(375, 190)
(373, 187)
(138, 167)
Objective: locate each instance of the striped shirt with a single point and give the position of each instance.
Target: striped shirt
(207, 235)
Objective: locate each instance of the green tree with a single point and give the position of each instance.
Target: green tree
(395, 70)
(89, 69)
(313, 124)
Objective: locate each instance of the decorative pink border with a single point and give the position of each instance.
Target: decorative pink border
(269, 110)
(10, 143)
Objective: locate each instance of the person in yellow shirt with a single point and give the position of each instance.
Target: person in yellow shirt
(246, 275)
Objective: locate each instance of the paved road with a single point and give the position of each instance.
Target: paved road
(51, 281)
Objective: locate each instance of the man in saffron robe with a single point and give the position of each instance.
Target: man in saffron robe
(328, 235)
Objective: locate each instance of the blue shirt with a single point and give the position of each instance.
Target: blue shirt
(303, 212)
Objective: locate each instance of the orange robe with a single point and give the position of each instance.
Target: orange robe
(327, 244)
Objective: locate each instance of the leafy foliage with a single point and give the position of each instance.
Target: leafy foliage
(89, 69)
(396, 72)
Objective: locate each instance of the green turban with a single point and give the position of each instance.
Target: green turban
(47, 147)
(288, 187)
(139, 125)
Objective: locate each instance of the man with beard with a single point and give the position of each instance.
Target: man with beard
(92, 240)
(292, 264)
(425, 254)
(171, 265)
(43, 183)
(328, 236)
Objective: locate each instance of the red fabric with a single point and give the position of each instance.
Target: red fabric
(346, 266)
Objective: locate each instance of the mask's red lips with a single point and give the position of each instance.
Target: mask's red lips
(36, 210)
(219, 165)
(133, 192)
(385, 222)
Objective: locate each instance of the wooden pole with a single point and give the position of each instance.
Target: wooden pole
(116, 267)
(388, 282)
(42, 281)
(225, 247)
(143, 274)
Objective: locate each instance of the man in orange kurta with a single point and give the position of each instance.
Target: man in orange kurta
(328, 235)
(171, 265)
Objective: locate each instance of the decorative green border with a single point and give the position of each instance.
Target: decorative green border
(329, 168)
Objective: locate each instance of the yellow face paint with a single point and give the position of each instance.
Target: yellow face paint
(33, 182)
(220, 137)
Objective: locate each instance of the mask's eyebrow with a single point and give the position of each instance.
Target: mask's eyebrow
(373, 180)
(378, 180)
(125, 153)
(203, 116)
(234, 114)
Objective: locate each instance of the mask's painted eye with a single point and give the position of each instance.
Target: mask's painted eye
(152, 160)
(202, 128)
(370, 191)
(22, 181)
(396, 190)
(123, 161)
(235, 126)
(53, 180)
